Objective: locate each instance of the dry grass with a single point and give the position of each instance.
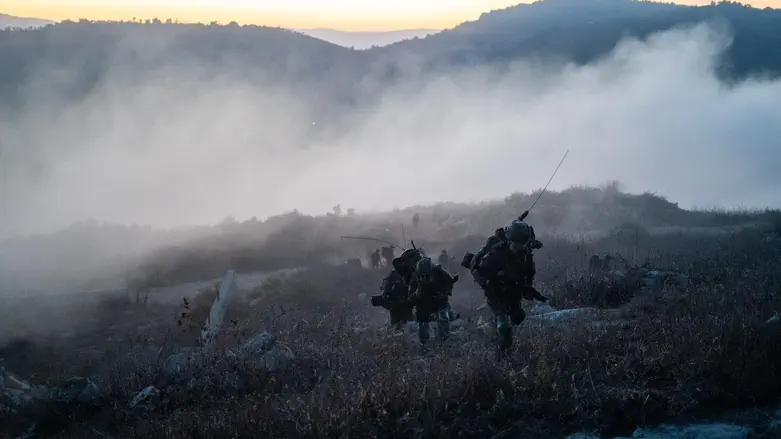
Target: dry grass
(691, 351)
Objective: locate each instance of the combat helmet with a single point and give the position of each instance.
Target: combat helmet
(518, 232)
(408, 259)
(424, 269)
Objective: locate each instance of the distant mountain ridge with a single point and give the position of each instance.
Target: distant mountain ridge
(573, 31)
(9, 21)
(582, 31)
(365, 40)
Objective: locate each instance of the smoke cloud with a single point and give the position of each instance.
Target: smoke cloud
(179, 147)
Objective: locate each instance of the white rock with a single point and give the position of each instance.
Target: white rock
(695, 431)
(144, 399)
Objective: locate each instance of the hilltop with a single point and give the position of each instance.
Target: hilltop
(11, 22)
(553, 31)
(366, 40)
(582, 31)
(109, 255)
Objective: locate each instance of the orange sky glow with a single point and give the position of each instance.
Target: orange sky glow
(377, 15)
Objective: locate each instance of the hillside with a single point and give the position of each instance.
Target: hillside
(93, 255)
(11, 22)
(585, 30)
(306, 355)
(551, 30)
(366, 40)
(87, 53)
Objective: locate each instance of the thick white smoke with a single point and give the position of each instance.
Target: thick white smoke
(181, 149)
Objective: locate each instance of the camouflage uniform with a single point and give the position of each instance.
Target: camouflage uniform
(430, 291)
(395, 292)
(492, 240)
(506, 274)
(406, 262)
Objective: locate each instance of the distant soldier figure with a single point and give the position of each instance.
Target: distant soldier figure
(594, 264)
(430, 292)
(444, 260)
(415, 220)
(376, 258)
(387, 255)
(506, 274)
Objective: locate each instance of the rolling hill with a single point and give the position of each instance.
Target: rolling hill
(366, 40)
(11, 22)
(585, 30)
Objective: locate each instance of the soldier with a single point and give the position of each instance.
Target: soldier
(492, 240)
(387, 254)
(506, 274)
(430, 291)
(376, 259)
(444, 260)
(395, 298)
(406, 262)
(415, 220)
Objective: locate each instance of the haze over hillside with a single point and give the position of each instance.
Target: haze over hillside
(168, 124)
(366, 40)
(9, 21)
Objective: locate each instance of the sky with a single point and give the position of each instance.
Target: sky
(353, 15)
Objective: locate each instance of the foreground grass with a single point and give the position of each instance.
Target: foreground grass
(680, 351)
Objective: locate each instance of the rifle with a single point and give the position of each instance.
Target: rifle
(528, 292)
(389, 304)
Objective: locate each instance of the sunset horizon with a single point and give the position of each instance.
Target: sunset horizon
(344, 15)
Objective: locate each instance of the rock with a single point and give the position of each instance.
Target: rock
(263, 350)
(695, 431)
(145, 400)
(8, 381)
(582, 436)
(30, 433)
(178, 368)
(260, 343)
(567, 315)
(278, 358)
(541, 308)
(13, 401)
(772, 326)
(775, 424)
(77, 390)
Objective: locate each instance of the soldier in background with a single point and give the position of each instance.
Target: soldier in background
(387, 255)
(444, 260)
(376, 259)
(395, 298)
(430, 292)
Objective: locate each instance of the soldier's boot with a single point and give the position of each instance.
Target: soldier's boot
(443, 324)
(423, 332)
(504, 331)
